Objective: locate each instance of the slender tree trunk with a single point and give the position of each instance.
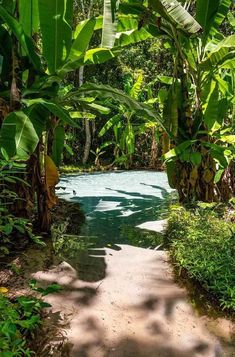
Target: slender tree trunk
(153, 162)
(87, 146)
(81, 81)
(87, 143)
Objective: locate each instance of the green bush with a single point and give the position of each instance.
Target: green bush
(18, 319)
(12, 228)
(203, 244)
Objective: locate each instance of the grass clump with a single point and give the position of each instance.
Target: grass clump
(202, 244)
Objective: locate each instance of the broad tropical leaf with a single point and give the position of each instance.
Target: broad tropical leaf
(176, 14)
(231, 20)
(210, 14)
(105, 91)
(131, 37)
(92, 56)
(23, 135)
(98, 55)
(219, 53)
(212, 108)
(56, 27)
(206, 10)
(82, 37)
(53, 108)
(29, 17)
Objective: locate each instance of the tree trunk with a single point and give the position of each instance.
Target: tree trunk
(153, 161)
(87, 146)
(196, 183)
(87, 143)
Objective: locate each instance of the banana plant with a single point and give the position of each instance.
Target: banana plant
(33, 70)
(200, 164)
(198, 104)
(34, 111)
(128, 122)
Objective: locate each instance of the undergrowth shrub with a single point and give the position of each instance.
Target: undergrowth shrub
(19, 319)
(14, 230)
(202, 244)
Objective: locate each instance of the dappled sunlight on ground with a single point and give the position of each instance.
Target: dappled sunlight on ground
(124, 303)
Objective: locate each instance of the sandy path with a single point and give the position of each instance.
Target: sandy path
(124, 303)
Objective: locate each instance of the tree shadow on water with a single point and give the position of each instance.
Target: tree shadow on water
(112, 219)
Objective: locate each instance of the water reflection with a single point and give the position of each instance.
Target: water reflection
(115, 203)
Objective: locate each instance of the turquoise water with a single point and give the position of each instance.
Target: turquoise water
(116, 202)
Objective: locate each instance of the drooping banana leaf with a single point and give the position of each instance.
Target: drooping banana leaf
(212, 108)
(175, 13)
(231, 20)
(17, 128)
(53, 108)
(56, 28)
(131, 37)
(92, 56)
(105, 91)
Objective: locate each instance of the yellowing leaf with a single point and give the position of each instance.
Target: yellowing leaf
(52, 175)
(3, 290)
(52, 178)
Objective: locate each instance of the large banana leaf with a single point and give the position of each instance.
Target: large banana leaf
(53, 108)
(98, 55)
(109, 24)
(28, 15)
(219, 53)
(56, 28)
(92, 56)
(17, 129)
(132, 36)
(206, 10)
(82, 37)
(25, 41)
(105, 91)
(210, 14)
(176, 14)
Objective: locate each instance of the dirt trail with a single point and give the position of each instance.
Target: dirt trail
(124, 303)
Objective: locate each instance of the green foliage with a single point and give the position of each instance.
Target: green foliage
(203, 245)
(176, 15)
(12, 228)
(56, 27)
(19, 318)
